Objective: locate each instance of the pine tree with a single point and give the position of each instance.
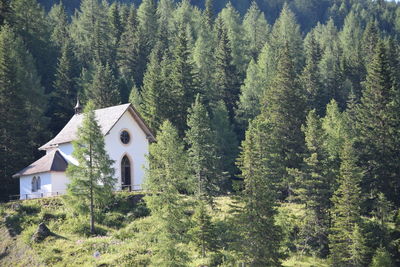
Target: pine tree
(128, 52)
(284, 109)
(91, 32)
(369, 41)
(14, 142)
(184, 83)
(116, 23)
(314, 187)
(103, 91)
(285, 31)
(350, 38)
(154, 106)
(226, 141)
(252, 90)
(377, 143)
(226, 75)
(29, 21)
(64, 95)
(59, 23)
(229, 19)
(204, 58)
(147, 27)
(331, 69)
(335, 126)
(202, 233)
(310, 77)
(165, 179)
(209, 12)
(256, 30)
(382, 258)
(135, 97)
(346, 210)
(202, 151)
(92, 181)
(259, 162)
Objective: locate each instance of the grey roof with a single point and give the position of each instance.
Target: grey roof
(106, 117)
(52, 161)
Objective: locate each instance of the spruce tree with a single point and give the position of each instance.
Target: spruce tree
(29, 21)
(59, 25)
(184, 81)
(381, 258)
(14, 142)
(350, 38)
(346, 213)
(259, 162)
(226, 75)
(204, 58)
(314, 186)
(256, 30)
(103, 90)
(249, 105)
(284, 109)
(377, 141)
(369, 41)
(91, 32)
(202, 151)
(165, 178)
(202, 232)
(226, 141)
(128, 50)
(64, 95)
(92, 181)
(310, 77)
(229, 19)
(153, 108)
(209, 12)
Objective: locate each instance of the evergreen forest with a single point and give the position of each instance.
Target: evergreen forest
(270, 103)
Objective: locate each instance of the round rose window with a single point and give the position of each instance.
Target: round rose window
(125, 138)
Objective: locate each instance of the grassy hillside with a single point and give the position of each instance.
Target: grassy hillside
(121, 240)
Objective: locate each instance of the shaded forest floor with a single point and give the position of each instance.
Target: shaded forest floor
(120, 239)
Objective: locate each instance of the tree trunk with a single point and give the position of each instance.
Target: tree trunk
(91, 191)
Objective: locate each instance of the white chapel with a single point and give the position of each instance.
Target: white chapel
(126, 138)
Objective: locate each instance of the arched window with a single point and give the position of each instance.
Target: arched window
(34, 184)
(38, 183)
(125, 173)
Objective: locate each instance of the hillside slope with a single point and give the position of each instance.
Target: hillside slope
(122, 238)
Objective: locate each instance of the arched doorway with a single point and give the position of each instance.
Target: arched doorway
(126, 173)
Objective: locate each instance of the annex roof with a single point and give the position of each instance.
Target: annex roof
(106, 117)
(52, 161)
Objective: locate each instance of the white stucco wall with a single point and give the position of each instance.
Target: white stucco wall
(26, 186)
(59, 182)
(66, 148)
(136, 149)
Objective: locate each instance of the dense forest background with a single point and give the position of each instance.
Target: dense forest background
(309, 88)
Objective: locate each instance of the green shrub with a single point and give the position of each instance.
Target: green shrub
(47, 216)
(381, 258)
(113, 219)
(29, 208)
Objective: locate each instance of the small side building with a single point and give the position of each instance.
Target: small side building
(126, 138)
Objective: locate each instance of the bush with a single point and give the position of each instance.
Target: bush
(47, 216)
(381, 258)
(113, 219)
